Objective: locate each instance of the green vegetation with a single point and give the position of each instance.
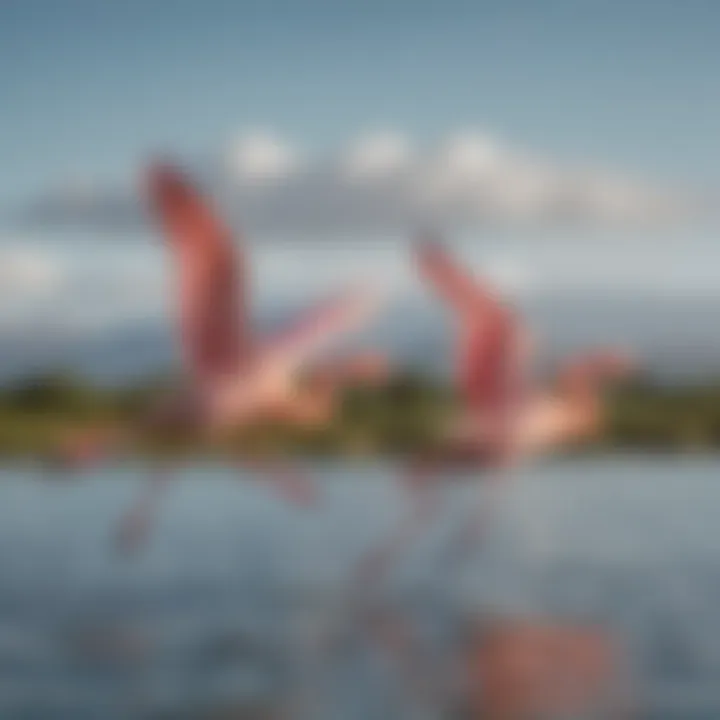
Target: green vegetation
(405, 414)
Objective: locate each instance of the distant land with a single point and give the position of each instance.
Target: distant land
(406, 414)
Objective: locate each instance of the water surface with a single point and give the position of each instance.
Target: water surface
(227, 603)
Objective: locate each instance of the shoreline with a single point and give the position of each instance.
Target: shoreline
(397, 419)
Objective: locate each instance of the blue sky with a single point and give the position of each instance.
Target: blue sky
(88, 88)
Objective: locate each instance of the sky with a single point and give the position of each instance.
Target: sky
(573, 140)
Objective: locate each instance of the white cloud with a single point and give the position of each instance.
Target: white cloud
(380, 183)
(28, 271)
(43, 284)
(376, 156)
(471, 155)
(469, 178)
(260, 156)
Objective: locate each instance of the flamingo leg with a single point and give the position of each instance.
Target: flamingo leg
(134, 529)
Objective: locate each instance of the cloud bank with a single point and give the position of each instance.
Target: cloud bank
(382, 182)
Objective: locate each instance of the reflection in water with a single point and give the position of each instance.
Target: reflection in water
(243, 606)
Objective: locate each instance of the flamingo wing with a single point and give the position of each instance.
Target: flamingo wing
(208, 269)
(487, 364)
(316, 329)
(458, 288)
(487, 347)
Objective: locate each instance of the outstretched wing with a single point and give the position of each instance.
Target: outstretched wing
(315, 331)
(211, 300)
(487, 367)
(455, 286)
(488, 339)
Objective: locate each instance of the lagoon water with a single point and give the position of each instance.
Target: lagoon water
(225, 606)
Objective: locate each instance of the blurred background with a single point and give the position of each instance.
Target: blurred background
(564, 150)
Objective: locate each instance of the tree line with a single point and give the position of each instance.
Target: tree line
(406, 413)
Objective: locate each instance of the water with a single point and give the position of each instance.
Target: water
(229, 602)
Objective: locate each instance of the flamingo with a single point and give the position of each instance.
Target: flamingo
(507, 419)
(234, 377)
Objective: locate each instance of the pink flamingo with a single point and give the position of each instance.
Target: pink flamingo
(506, 419)
(234, 377)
